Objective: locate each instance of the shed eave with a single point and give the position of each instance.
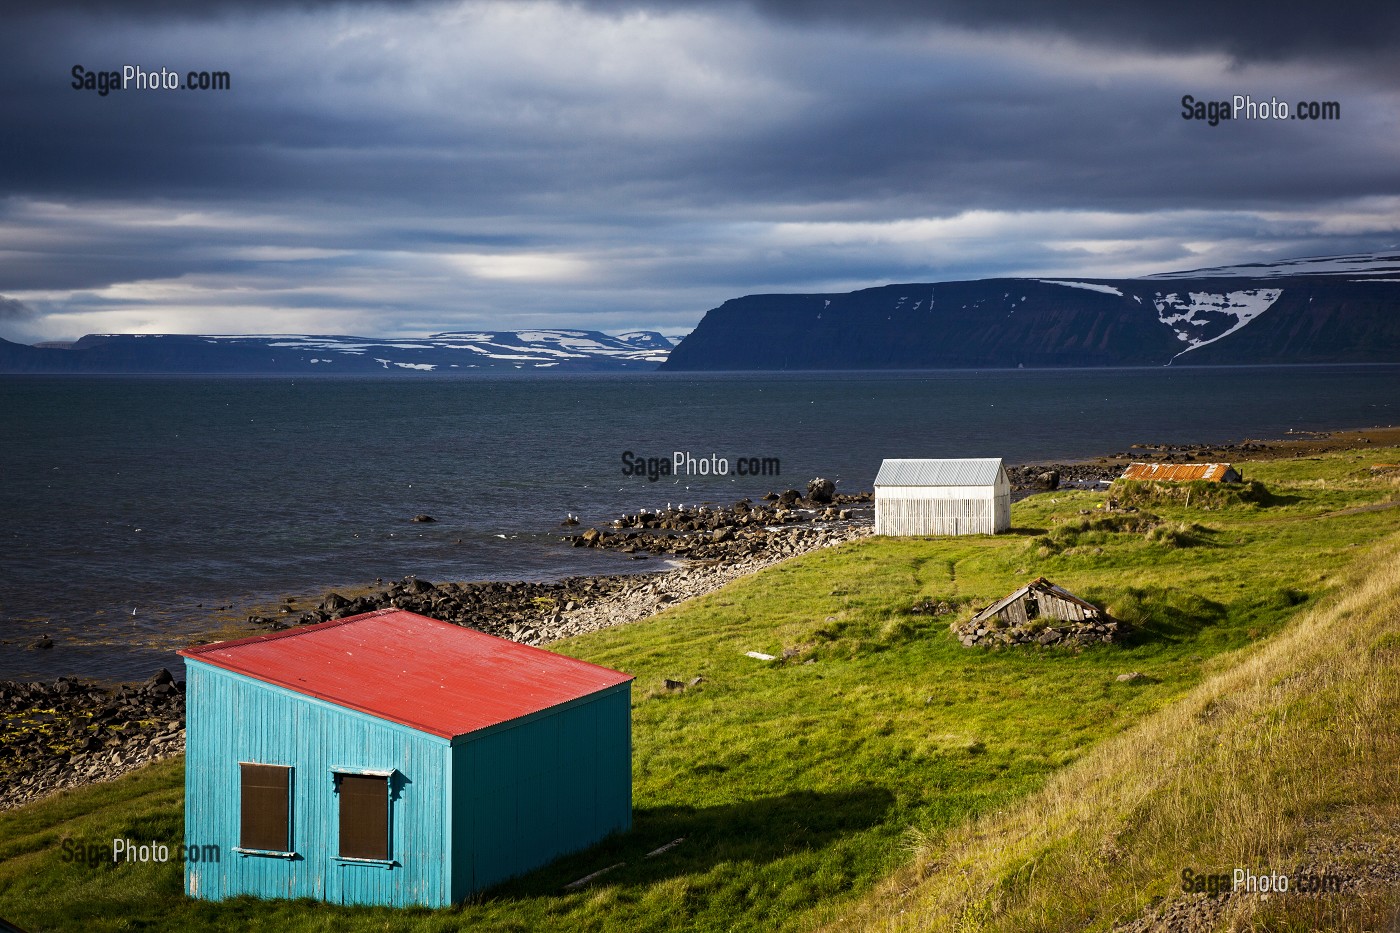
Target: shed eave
(485, 731)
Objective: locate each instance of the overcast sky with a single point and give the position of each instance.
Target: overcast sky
(408, 168)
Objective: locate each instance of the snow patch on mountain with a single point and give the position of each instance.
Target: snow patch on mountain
(1369, 264)
(1202, 318)
(1106, 289)
(544, 348)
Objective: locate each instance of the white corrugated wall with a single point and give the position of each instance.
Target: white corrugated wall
(942, 510)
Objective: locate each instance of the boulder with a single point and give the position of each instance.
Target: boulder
(423, 519)
(820, 490)
(334, 602)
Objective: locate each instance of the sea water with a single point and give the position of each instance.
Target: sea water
(133, 506)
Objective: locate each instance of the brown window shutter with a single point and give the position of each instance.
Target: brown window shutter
(364, 816)
(265, 804)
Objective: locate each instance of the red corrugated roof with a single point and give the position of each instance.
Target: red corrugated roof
(1177, 472)
(433, 676)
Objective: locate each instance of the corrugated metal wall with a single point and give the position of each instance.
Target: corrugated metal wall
(232, 718)
(514, 797)
(933, 511)
(528, 792)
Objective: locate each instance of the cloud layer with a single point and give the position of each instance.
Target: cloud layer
(414, 167)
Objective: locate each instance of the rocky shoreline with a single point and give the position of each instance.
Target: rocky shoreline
(717, 545)
(73, 732)
(70, 733)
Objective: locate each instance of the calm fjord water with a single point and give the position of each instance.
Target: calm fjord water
(170, 496)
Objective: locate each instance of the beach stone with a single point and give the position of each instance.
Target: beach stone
(334, 602)
(820, 490)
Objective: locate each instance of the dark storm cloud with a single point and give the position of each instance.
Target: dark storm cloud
(183, 9)
(1250, 32)
(11, 310)
(422, 165)
(884, 127)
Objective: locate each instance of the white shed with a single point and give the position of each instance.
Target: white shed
(942, 497)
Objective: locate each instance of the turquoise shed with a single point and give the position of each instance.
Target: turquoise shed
(389, 758)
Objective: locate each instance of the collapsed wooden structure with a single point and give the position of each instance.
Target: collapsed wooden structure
(1039, 613)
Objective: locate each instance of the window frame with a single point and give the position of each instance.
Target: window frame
(390, 776)
(287, 850)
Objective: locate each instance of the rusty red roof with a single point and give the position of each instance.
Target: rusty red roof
(432, 676)
(1178, 472)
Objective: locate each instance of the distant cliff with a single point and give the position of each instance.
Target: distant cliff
(1335, 310)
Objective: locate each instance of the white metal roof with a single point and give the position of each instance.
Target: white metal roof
(980, 471)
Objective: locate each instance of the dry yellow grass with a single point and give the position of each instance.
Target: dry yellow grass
(1289, 755)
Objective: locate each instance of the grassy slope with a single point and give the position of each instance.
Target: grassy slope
(800, 786)
(1289, 757)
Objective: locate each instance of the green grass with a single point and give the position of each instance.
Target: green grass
(1288, 758)
(800, 786)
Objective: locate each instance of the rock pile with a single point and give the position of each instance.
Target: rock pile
(1032, 478)
(742, 530)
(71, 732)
(1186, 453)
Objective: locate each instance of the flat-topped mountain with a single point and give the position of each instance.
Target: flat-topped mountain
(1341, 309)
(533, 350)
(1334, 309)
